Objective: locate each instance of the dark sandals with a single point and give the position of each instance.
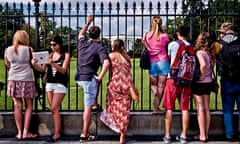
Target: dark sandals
(50, 139)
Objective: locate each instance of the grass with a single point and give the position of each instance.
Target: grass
(74, 98)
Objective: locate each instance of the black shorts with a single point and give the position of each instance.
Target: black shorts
(201, 88)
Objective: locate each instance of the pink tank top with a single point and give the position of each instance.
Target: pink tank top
(157, 46)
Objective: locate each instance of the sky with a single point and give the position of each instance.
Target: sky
(130, 28)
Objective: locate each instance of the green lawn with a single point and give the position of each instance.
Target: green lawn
(74, 98)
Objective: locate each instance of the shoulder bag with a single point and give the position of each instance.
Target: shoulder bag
(145, 58)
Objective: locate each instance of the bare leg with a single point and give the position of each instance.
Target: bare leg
(168, 122)
(28, 116)
(201, 116)
(122, 138)
(86, 119)
(154, 88)
(185, 123)
(97, 91)
(207, 113)
(57, 99)
(18, 115)
(160, 88)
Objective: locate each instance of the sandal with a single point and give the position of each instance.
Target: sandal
(30, 136)
(50, 139)
(196, 137)
(18, 137)
(158, 112)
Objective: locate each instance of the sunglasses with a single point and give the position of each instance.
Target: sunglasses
(53, 44)
(222, 33)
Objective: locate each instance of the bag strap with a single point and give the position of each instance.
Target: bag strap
(146, 45)
(30, 56)
(213, 72)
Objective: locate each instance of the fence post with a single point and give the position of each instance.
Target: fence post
(36, 4)
(36, 47)
(192, 25)
(192, 20)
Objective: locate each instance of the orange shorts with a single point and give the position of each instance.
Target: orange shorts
(171, 92)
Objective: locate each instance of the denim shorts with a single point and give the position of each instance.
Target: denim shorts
(90, 91)
(159, 68)
(56, 88)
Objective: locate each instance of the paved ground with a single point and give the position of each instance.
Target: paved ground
(109, 140)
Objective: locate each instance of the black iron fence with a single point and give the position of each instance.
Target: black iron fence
(127, 20)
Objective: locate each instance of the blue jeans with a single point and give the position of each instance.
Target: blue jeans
(230, 93)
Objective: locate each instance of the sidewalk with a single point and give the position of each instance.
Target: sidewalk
(108, 140)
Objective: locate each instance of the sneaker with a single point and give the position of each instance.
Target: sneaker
(182, 140)
(90, 137)
(167, 140)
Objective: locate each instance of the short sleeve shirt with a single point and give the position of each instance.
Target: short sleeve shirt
(173, 48)
(208, 72)
(91, 55)
(157, 46)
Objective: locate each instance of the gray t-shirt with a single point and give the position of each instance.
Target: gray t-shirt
(20, 68)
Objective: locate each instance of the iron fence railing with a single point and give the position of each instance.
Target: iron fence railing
(126, 20)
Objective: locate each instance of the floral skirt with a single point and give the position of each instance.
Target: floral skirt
(21, 89)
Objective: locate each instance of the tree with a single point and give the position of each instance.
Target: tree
(13, 23)
(208, 16)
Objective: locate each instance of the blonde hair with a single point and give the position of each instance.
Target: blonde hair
(20, 37)
(156, 25)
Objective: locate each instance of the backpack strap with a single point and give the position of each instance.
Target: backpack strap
(181, 48)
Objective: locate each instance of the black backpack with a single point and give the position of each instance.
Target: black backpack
(230, 60)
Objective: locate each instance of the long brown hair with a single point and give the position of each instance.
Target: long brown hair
(118, 46)
(204, 43)
(20, 37)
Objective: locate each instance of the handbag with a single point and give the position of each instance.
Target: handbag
(134, 93)
(215, 86)
(145, 58)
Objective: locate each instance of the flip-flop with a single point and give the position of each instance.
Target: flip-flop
(30, 136)
(18, 138)
(196, 137)
(158, 112)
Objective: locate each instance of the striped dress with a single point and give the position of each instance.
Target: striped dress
(117, 113)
